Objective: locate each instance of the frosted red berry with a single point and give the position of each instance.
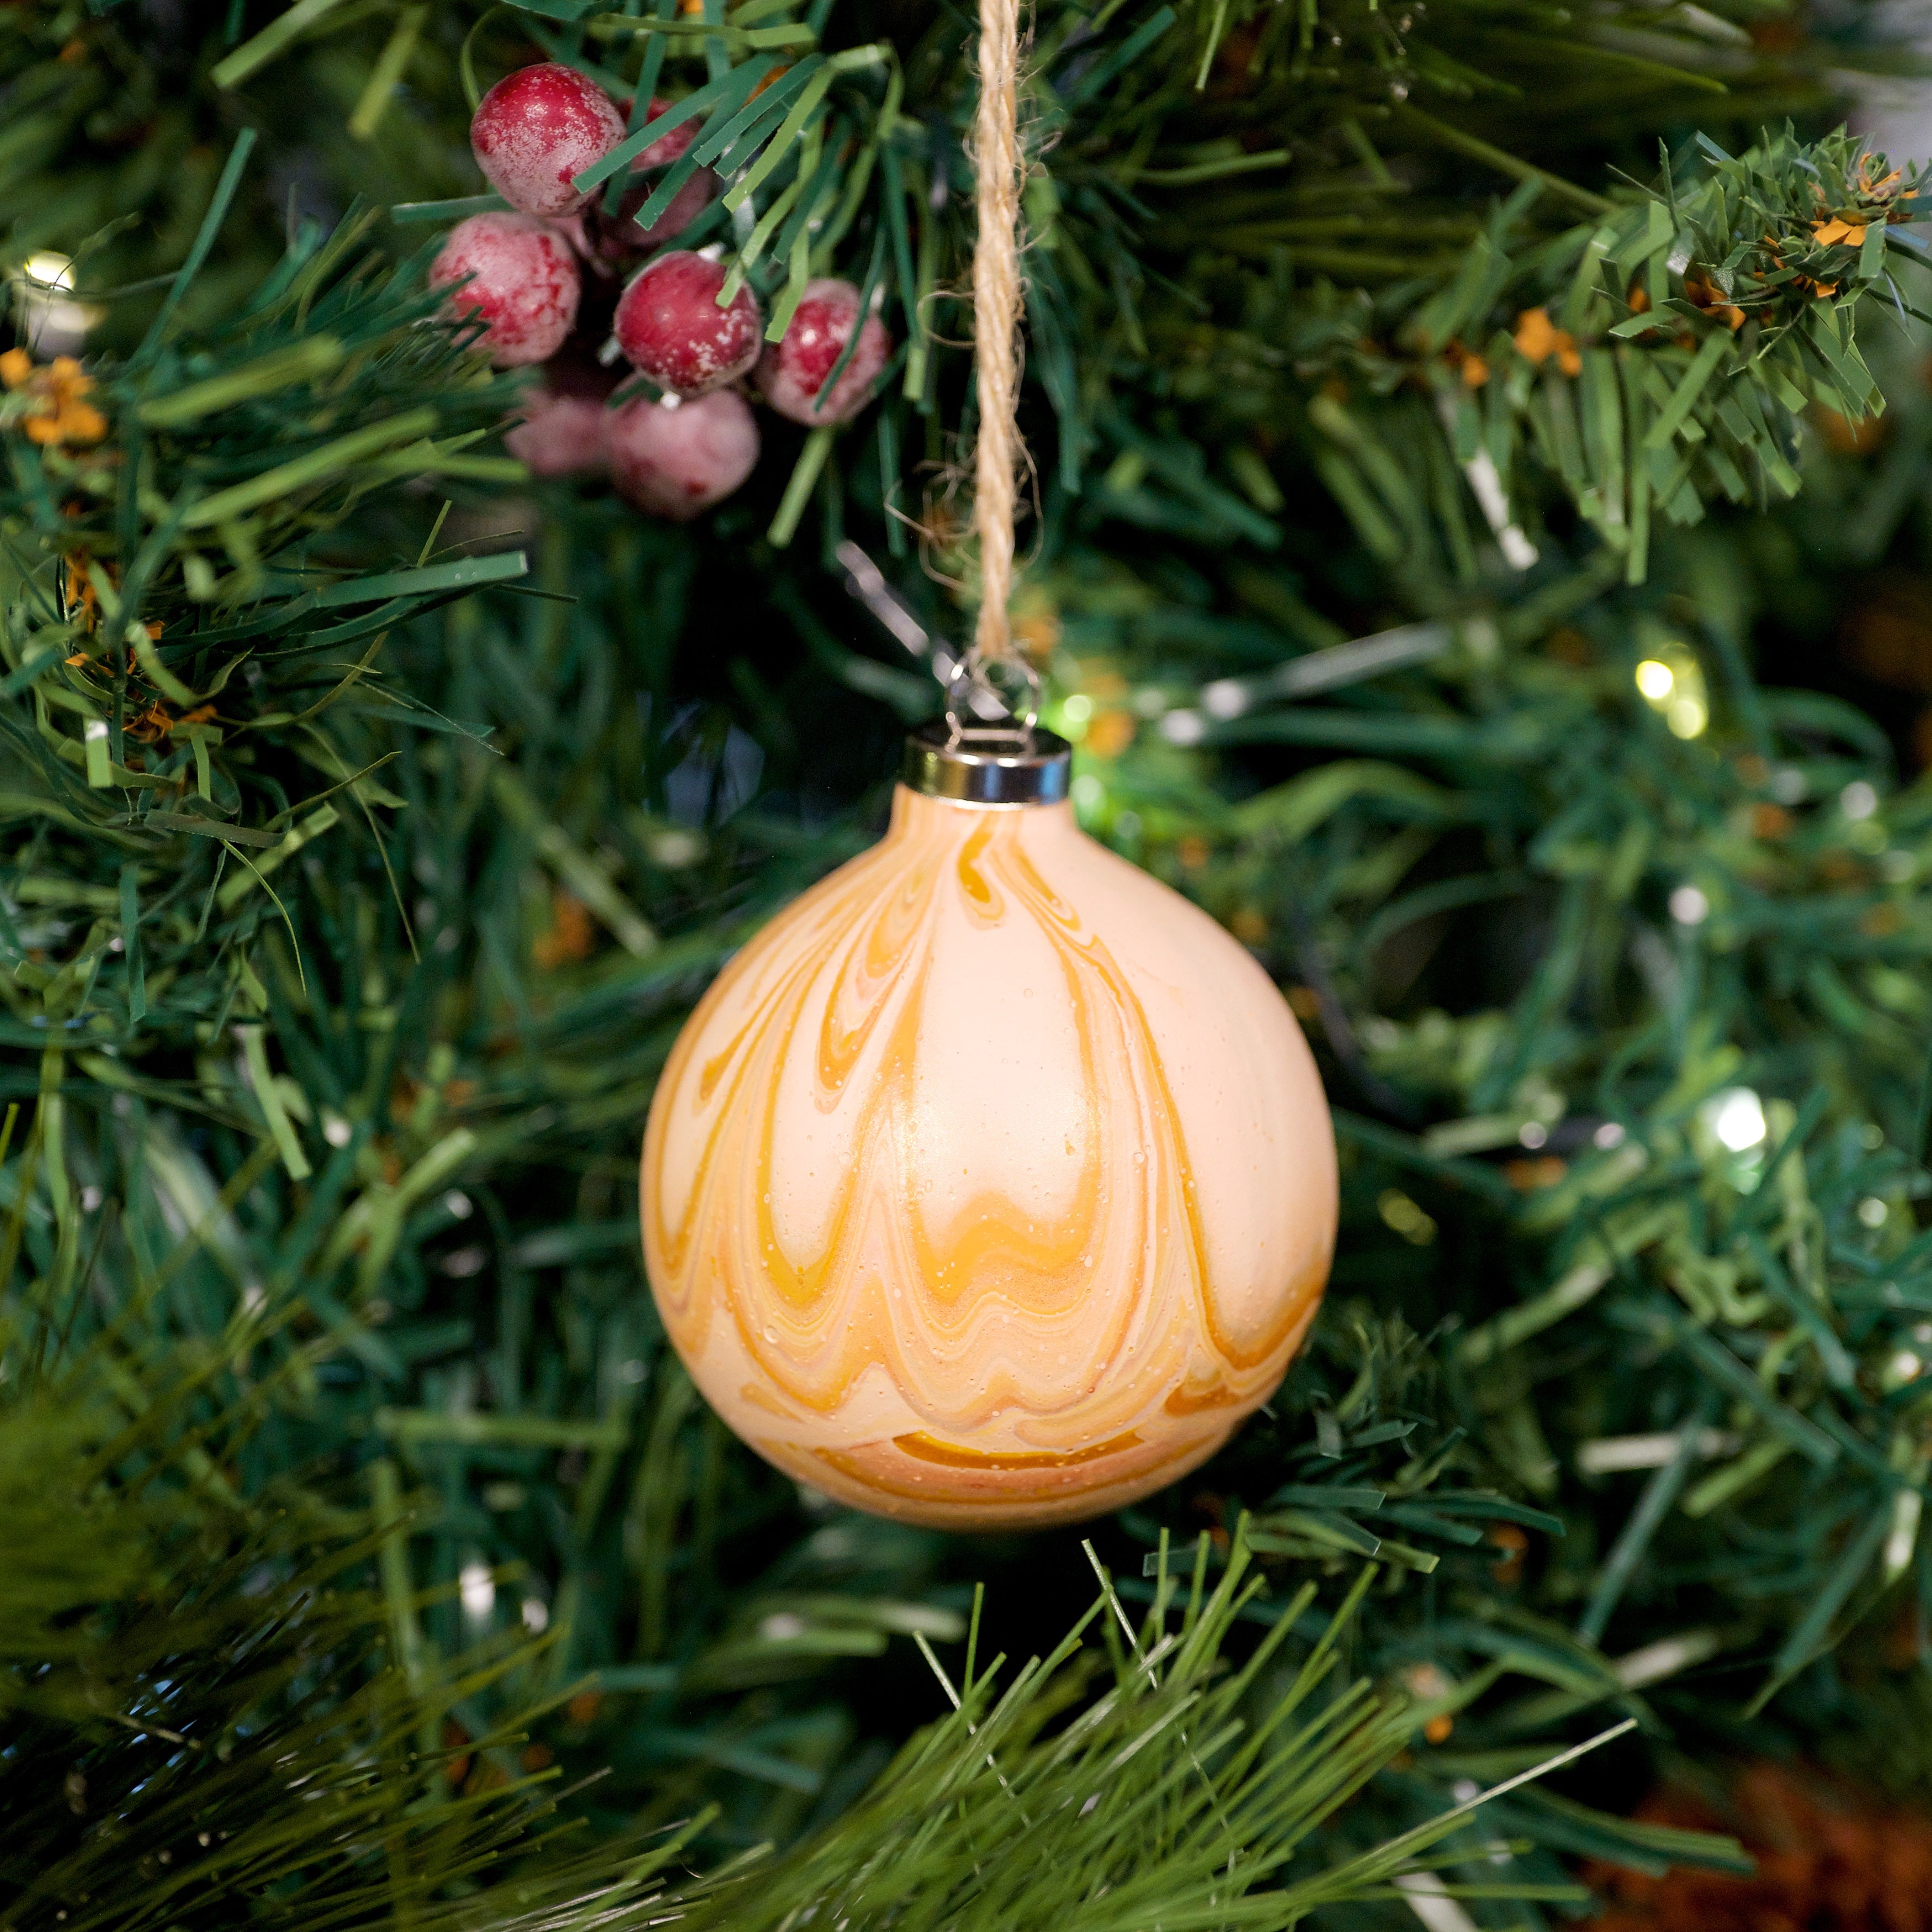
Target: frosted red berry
(676, 460)
(538, 127)
(666, 147)
(611, 242)
(560, 435)
(670, 329)
(614, 244)
(523, 284)
(792, 376)
(686, 206)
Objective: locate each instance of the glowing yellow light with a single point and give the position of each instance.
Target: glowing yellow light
(50, 269)
(1413, 1222)
(1655, 680)
(1079, 709)
(1686, 716)
(47, 318)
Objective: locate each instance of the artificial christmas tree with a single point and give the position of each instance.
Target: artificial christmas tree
(1449, 510)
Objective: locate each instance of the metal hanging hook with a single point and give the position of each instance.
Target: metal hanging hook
(985, 750)
(976, 709)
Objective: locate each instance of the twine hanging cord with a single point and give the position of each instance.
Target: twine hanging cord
(997, 456)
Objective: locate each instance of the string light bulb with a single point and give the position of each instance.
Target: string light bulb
(51, 321)
(1670, 680)
(1736, 1117)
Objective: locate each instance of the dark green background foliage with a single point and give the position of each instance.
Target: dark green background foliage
(350, 914)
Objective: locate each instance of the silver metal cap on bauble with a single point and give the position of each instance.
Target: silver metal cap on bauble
(1010, 763)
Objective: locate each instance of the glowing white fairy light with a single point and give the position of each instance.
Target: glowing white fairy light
(1736, 1117)
(51, 322)
(478, 1590)
(1903, 1536)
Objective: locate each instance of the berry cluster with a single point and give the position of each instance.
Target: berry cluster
(539, 280)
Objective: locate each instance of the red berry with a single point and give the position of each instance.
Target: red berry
(670, 329)
(666, 147)
(538, 127)
(613, 244)
(686, 206)
(793, 373)
(676, 460)
(575, 229)
(560, 435)
(523, 284)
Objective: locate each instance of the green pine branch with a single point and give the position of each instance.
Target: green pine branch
(206, 1712)
(1348, 145)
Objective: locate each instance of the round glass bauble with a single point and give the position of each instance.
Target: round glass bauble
(992, 1184)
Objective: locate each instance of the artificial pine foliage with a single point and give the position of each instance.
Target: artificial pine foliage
(1458, 458)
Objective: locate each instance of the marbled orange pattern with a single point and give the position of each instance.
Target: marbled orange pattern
(992, 1183)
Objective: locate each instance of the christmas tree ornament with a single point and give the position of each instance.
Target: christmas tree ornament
(538, 128)
(792, 372)
(519, 277)
(670, 328)
(676, 459)
(992, 1184)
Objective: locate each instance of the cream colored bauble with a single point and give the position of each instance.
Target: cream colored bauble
(992, 1185)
